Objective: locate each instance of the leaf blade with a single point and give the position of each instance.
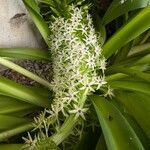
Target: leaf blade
(117, 9)
(23, 93)
(115, 139)
(131, 30)
(25, 53)
(38, 20)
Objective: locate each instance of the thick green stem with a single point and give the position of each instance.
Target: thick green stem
(70, 122)
(65, 130)
(24, 72)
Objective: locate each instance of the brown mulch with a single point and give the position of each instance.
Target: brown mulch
(41, 68)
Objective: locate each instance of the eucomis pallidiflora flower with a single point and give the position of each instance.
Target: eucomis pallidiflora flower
(76, 56)
(78, 69)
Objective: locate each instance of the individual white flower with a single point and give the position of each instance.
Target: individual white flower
(30, 143)
(103, 64)
(91, 62)
(90, 39)
(109, 92)
(87, 85)
(122, 1)
(70, 96)
(78, 111)
(100, 81)
(83, 28)
(97, 50)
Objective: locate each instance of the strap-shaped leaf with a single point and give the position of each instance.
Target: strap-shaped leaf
(8, 122)
(131, 72)
(38, 20)
(140, 49)
(14, 131)
(23, 93)
(138, 86)
(24, 72)
(131, 30)
(12, 106)
(117, 8)
(143, 60)
(25, 53)
(138, 105)
(101, 144)
(118, 133)
(11, 146)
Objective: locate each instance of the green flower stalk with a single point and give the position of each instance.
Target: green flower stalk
(78, 70)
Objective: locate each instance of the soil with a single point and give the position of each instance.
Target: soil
(41, 68)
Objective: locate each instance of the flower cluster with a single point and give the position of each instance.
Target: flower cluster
(78, 69)
(76, 55)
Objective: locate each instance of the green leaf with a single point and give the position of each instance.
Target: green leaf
(23, 93)
(117, 131)
(131, 72)
(131, 85)
(14, 131)
(131, 120)
(116, 76)
(140, 49)
(127, 33)
(8, 122)
(139, 58)
(88, 139)
(138, 105)
(38, 20)
(101, 144)
(25, 53)
(117, 9)
(24, 72)
(11, 146)
(12, 106)
(99, 27)
(34, 5)
(143, 60)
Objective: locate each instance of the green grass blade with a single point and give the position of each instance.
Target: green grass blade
(138, 105)
(117, 9)
(139, 86)
(23, 93)
(7, 122)
(38, 20)
(131, 30)
(14, 131)
(25, 53)
(118, 133)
